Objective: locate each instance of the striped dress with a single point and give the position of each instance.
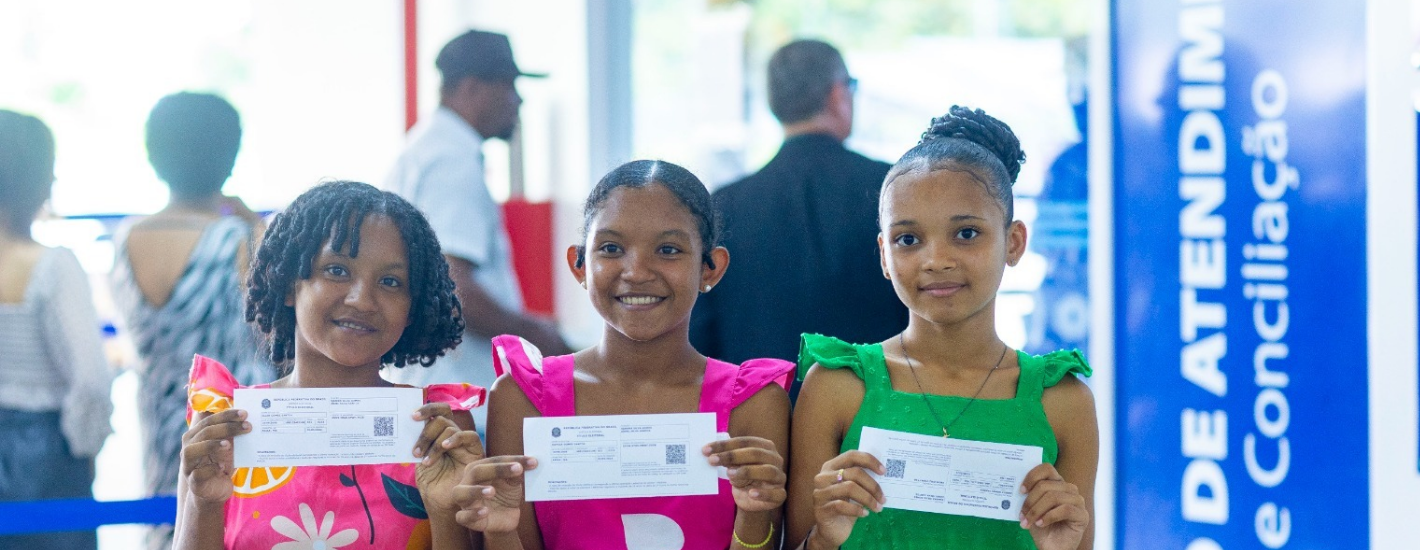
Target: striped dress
(204, 316)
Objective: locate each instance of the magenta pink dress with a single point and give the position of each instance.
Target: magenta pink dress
(690, 522)
(329, 507)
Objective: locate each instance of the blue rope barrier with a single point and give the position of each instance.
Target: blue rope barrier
(82, 514)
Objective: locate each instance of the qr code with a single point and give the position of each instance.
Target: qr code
(675, 454)
(896, 468)
(384, 426)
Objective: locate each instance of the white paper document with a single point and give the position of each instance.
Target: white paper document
(950, 476)
(644, 455)
(328, 426)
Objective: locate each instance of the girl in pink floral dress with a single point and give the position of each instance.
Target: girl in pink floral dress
(649, 251)
(349, 280)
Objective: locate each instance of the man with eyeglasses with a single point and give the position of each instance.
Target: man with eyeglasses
(802, 231)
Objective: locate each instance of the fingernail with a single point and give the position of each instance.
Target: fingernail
(754, 493)
(488, 491)
(1024, 490)
(714, 460)
(428, 460)
(246, 425)
(416, 416)
(863, 513)
(241, 414)
(731, 472)
(516, 468)
(482, 511)
(1024, 525)
(705, 450)
(1039, 522)
(224, 444)
(418, 453)
(877, 507)
(449, 442)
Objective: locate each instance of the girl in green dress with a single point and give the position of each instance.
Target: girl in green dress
(947, 234)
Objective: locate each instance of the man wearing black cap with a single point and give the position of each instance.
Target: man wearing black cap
(441, 172)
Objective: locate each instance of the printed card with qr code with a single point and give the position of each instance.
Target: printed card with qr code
(327, 426)
(623, 456)
(950, 476)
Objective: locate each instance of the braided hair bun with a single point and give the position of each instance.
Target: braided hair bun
(971, 140)
(985, 130)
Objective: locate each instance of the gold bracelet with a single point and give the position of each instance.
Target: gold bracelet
(748, 545)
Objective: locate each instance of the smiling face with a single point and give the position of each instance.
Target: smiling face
(945, 244)
(352, 311)
(642, 266)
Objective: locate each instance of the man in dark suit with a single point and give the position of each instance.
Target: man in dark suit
(802, 231)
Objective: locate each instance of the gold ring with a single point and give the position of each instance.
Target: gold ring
(840, 475)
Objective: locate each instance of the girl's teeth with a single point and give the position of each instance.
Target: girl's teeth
(639, 300)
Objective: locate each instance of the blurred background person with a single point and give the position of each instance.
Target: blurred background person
(441, 171)
(178, 276)
(54, 379)
(802, 231)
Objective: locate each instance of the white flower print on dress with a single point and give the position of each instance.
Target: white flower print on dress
(312, 537)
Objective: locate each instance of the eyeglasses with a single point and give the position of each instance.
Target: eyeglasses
(852, 84)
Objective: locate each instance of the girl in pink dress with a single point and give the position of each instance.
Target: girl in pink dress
(349, 280)
(649, 250)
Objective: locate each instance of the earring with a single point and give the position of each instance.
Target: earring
(584, 285)
(707, 288)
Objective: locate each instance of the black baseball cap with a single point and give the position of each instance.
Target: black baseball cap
(480, 54)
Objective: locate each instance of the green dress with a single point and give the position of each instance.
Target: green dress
(1019, 421)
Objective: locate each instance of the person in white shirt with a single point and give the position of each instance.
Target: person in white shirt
(54, 379)
(441, 172)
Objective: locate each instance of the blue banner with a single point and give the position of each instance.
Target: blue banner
(1240, 236)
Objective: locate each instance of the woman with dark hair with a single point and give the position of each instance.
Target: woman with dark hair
(177, 277)
(54, 380)
(649, 250)
(948, 231)
(349, 284)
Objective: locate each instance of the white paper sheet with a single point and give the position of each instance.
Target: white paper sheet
(585, 457)
(328, 426)
(951, 476)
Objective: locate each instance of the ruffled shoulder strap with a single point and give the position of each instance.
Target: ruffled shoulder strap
(546, 382)
(1060, 363)
(1043, 371)
(209, 387)
(755, 375)
(828, 352)
(460, 397)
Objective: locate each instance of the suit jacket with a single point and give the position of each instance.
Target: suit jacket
(803, 256)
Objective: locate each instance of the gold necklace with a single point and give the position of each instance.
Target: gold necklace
(912, 369)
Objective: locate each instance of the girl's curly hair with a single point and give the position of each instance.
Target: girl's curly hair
(332, 212)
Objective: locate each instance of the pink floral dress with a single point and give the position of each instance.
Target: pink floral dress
(703, 522)
(321, 507)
